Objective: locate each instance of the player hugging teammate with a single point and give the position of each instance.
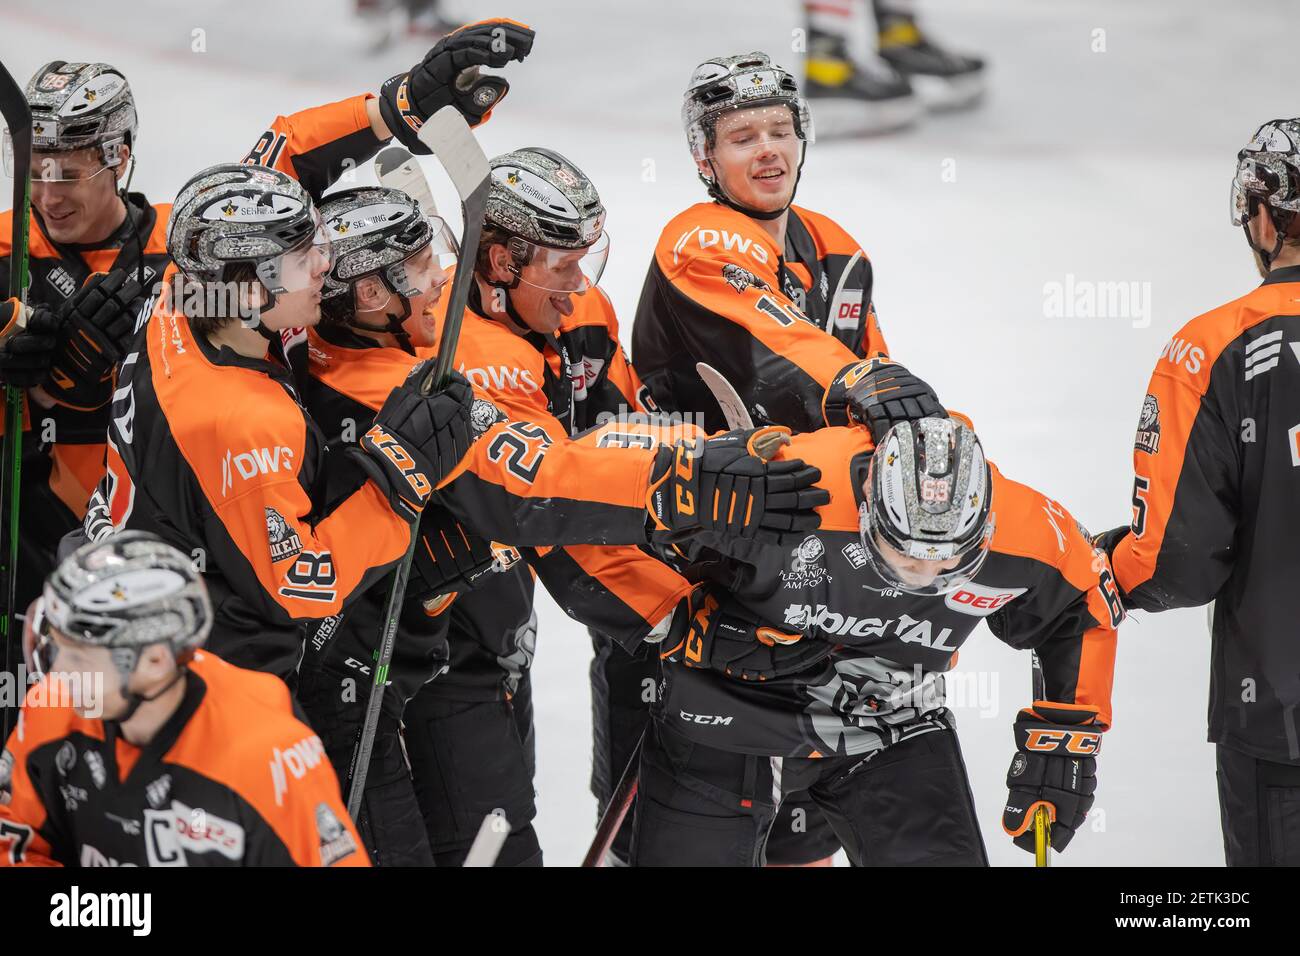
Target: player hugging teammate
(794, 586)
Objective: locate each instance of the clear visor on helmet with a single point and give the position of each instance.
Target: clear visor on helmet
(62, 167)
(303, 267)
(560, 270)
(1246, 183)
(428, 268)
(921, 567)
(772, 127)
(38, 644)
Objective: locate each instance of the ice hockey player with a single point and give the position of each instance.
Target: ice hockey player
(775, 297)
(820, 668)
(93, 249)
(526, 483)
(1214, 519)
(138, 748)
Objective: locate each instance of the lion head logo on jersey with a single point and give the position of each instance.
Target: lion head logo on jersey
(283, 539)
(483, 415)
(1148, 431)
(741, 279)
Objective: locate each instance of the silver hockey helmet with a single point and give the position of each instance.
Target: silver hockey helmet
(235, 214)
(929, 493)
(1268, 173)
(125, 592)
(547, 209)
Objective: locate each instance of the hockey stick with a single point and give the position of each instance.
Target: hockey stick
(1042, 822)
(616, 809)
(18, 118)
(492, 833)
(448, 136)
(733, 409)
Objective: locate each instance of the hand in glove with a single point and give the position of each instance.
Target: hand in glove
(878, 393)
(449, 76)
(30, 336)
(726, 485)
(417, 439)
(1055, 766)
(98, 326)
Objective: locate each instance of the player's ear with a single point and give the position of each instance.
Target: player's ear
(499, 261)
(119, 171)
(1261, 227)
(370, 294)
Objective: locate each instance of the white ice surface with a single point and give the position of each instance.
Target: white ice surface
(1111, 166)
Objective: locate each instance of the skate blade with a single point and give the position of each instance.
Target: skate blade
(839, 118)
(946, 94)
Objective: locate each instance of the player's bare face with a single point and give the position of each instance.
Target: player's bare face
(756, 156)
(76, 195)
(542, 309)
(914, 572)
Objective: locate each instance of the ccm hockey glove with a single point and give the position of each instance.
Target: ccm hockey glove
(724, 485)
(705, 634)
(449, 76)
(450, 558)
(28, 351)
(98, 325)
(417, 439)
(878, 393)
(1055, 766)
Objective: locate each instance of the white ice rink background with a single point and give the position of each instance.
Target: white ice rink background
(1098, 157)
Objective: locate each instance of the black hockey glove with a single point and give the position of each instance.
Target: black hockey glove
(98, 325)
(449, 76)
(417, 439)
(726, 485)
(725, 638)
(449, 558)
(1055, 765)
(1108, 540)
(28, 351)
(878, 393)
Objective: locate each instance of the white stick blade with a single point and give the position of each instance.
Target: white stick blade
(449, 137)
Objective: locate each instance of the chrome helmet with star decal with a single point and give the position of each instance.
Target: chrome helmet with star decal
(927, 523)
(547, 213)
(124, 592)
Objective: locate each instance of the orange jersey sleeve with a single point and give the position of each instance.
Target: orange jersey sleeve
(29, 833)
(319, 145)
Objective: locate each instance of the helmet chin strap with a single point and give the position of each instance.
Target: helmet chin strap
(133, 701)
(396, 326)
(1279, 227)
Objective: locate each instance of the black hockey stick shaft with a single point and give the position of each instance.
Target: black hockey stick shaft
(18, 118)
(449, 137)
(616, 810)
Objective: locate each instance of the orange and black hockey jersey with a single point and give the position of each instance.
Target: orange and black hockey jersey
(779, 324)
(525, 482)
(864, 645)
(1216, 472)
(73, 438)
(231, 779)
(213, 452)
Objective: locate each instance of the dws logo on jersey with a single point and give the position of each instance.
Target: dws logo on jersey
(502, 376)
(729, 241)
(258, 461)
(978, 600)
